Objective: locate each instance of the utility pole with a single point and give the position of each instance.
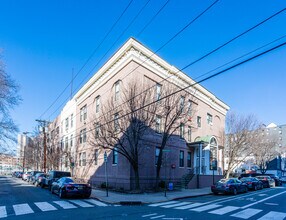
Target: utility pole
(44, 124)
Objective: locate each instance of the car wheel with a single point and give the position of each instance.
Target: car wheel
(216, 193)
(234, 191)
(50, 187)
(42, 185)
(61, 194)
(52, 191)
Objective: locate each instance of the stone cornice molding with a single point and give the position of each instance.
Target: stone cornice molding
(132, 50)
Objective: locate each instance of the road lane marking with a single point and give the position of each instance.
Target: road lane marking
(65, 205)
(159, 216)
(190, 206)
(273, 216)
(205, 208)
(95, 202)
(175, 205)
(247, 213)
(81, 203)
(45, 206)
(224, 210)
(163, 203)
(22, 209)
(262, 200)
(144, 216)
(3, 212)
(269, 203)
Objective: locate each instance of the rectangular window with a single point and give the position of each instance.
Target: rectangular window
(189, 159)
(82, 138)
(189, 108)
(97, 127)
(117, 91)
(182, 130)
(181, 158)
(199, 121)
(67, 124)
(158, 123)
(79, 157)
(182, 103)
(71, 120)
(83, 113)
(115, 156)
(83, 159)
(116, 121)
(96, 156)
(97, 104)
(157, 151)
(158, 91)
(189, 133)
(71, 141)
(66, 144)
(209, 119)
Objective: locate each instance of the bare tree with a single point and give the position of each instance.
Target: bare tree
(9, 98)
(240, 137)
(265, 150)
(175, 111)
(124, 127)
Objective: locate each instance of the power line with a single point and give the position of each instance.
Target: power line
(167, 42)
(89, 58)
(191, 85)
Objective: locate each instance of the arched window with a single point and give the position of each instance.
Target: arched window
(213, 151)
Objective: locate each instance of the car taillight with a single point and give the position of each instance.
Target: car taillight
(265, 178)
(249, 182)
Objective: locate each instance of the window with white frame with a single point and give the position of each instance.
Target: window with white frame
(182, 103)
(80, 158)
(115, 156)
(117, 90)
(209, 119)
(82, 138)
(189, 108)
(158, 123)
(199, 121)
(97, 104)
(116, 121)
(189, 133)
(67, 123)
(158, 91)
(83, 113)
(97, 129)
(71, 120)
(71, 141)
(66, 143)
(83, 161)
(96, 153)
(182, 130)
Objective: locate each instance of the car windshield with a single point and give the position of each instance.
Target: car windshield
(69, 180)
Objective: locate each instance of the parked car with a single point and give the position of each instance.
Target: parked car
(25, 175)
(31, 178)
(276, 179)
(249, 175)
(19, 174)
(39, 179)
(231, 185)
(252, 183)
(66, 187)
(53, 176)
(267, 181)
(15, 173)
(283, 179)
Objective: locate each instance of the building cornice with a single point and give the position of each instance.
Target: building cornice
(132, 50)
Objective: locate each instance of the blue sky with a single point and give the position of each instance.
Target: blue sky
(42, 41)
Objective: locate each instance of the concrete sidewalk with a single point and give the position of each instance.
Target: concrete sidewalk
(124, 198)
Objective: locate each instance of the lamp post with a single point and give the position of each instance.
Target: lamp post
(24, 148)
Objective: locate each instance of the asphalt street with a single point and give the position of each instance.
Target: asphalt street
(20, 200)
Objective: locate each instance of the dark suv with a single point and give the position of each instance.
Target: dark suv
(53, 176)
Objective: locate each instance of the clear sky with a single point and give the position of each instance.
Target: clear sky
(42, 41)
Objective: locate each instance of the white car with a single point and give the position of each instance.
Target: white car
(25, 175)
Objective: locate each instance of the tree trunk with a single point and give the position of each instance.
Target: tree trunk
(158, 169)
(137, 178)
